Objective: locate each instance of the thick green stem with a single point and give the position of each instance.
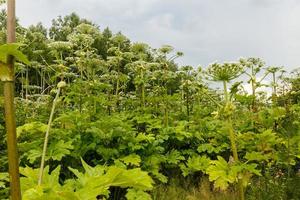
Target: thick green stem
(188, 105)
(10, 119)
(143, 96)
(226, 92)
(274, 92)
(166, 114)
(117, 86)
(253, 85)
(166, 117)
(229, 124)
(289, 168)
(234, 153)
(232, 138)
(143, 90)
(27, 85)
(274, 84)
(22, 85)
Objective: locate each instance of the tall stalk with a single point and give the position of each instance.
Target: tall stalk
(253, 85)
(165, 88)
(273, 71)
(274, 83)
(188, 104)
(40, 180)
(10, 119)
(143, 90)
(232, 138)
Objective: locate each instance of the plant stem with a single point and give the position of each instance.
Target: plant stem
(225, 92)
(47, 137)
(143, 90)
(274, 84)
(13, 158)
(188, 105)
(253, 84)
(232, 139)
(10, 119)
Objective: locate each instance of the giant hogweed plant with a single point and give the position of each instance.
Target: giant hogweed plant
(253, 67)
(91, 184)
(74, 147)
(225, 73)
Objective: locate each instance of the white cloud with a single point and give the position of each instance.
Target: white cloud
(205, 30)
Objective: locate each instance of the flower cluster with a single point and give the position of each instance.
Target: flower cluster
(224, 72)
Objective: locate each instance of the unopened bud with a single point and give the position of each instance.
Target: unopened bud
(61, 84)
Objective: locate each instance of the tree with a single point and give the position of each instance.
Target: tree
(63, 26)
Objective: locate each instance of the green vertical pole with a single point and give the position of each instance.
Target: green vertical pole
(10, 119)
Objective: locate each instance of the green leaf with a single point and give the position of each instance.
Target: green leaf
(59, 149)
(223, 173)
(3, 179)
(6, 73)
(33, 155)
(12, 49)
(256, 156)
(219, 171)
(212, 148)
(132, 159)
(97, 180)
(32, 128)
(30, 180)
(195, 164)
(153, 164)
(174, 157)
(83, 178)
(135, 178)
(251, 168)
(35, 193)
(133, 194)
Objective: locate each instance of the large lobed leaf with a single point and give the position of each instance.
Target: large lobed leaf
(12, 50)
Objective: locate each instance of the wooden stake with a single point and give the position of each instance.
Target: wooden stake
(10, 119)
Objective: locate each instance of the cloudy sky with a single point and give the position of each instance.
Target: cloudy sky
(205, 30)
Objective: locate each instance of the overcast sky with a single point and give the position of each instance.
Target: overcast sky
(205, 30)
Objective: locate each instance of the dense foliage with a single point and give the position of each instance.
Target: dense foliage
(131, 124)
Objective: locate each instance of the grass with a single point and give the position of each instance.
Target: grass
(204, 191)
